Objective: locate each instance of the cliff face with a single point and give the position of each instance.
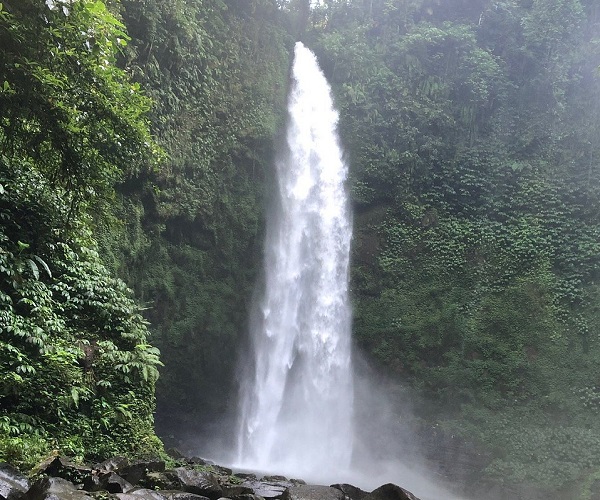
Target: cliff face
(471, 132)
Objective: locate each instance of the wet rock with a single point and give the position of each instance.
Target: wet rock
(269, 490)
(236, 490)
(95, 481)
(136, 471)
(152, 482)
(116, 484)
(55, 488)
(246, 496)
(107, 481)
(352, 492)
(13, 484)
(390, 492)
(200, 461)
(181, 495)
(213, 467)
(44, 464)
(311, 492)
(112, 464)
(159, 481)
(102, 495)
(224, 471)
(194, 481)
(246, 475)
(56, 466)
(140, 493)
(274, 478)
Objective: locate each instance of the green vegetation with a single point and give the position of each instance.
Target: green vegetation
(76, 370)
(191, 236)
(472, 133)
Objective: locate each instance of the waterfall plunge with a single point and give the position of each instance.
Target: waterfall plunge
(296, 402)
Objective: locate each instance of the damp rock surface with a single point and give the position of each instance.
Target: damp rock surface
(57, 478)
(13, 484)
(312, 492)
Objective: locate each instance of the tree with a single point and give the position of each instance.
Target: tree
(64, 102)
(74, 356)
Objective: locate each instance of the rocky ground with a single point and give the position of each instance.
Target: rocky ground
(190, 479)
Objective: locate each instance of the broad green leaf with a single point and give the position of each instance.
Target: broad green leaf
(75, 395)
(34, 268)
(43, 264)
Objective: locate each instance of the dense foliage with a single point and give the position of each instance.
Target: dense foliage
(76, 371)
(472, 134)
(191, 239)
(473, 131)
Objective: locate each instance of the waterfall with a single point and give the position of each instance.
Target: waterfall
(297, 397)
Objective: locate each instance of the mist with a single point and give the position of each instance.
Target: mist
(470, 131)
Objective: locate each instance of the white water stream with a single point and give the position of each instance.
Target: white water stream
(296, 407)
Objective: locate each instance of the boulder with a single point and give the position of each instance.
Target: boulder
(352, 492)
(141, 493)
(13, 484)
(200, 461)
(116, 484)
(112, 464)
(94, 481)
(219, 469)
(246, 475)
(135, 471)
(44, 464)
(181, 495)
(195, 481)
(159, 481)
(274, 478)
(57, 466)
(311, 492)
(268, 490)
(55, 488)
(106, 481)
(235, 490)
(390, 492)
(224, 471)
(245, 496)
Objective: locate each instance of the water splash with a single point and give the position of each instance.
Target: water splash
(296, 404)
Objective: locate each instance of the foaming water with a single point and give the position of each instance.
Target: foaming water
(296, 410)
(297, 398)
